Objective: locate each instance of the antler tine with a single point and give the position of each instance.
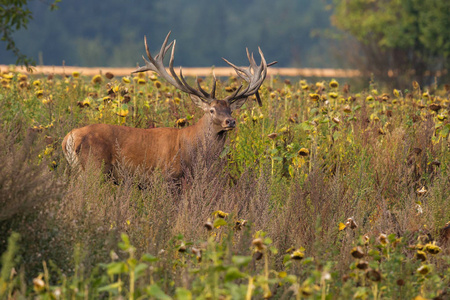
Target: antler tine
(156, 64)
(254, 75)
(149, 55)
(251, 59)
(205, 93)
(174, 75)
(234, 94)
(213, 91)
(239, 71)
(163, 50)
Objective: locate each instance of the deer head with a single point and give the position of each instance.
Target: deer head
(217, 111)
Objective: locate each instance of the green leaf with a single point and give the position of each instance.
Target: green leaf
(268, 241)
(219, 222)
(125, 244)
(149, 258)
(132, 262)
(155, 291)
(392, 237)
(111, 287)
(183, 294)
(274, 250)
(291, 170)
(445, 130)
(241, 260)
(290, 278)
(140, 269)
(116, 268)
(233, 273)
(304, 126)
(225, 151)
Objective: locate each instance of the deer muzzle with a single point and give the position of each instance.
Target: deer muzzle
(229, 123)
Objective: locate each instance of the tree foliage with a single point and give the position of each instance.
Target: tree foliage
(408, 37)
(15, 15)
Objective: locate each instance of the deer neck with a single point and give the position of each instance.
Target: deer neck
(205, 132)
(208, 131)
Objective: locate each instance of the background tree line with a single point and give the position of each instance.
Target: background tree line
(410, 38)
(110, 33)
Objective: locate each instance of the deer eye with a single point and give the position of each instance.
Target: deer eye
(211, 110)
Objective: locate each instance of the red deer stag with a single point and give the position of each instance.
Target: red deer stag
(169, 149)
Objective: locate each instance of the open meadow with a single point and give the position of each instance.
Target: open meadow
(324, 192)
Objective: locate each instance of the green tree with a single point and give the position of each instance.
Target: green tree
(15, 15)
(407, 39)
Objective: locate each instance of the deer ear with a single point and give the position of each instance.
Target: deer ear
(199, 102)
(237, 104)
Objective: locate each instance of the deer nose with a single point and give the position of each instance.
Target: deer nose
(230, 123)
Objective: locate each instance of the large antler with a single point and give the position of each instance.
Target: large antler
(156, 65)
(254, 75)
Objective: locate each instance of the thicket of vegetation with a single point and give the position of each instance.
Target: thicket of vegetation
(407, 38)
(324, 192)
(87, 33)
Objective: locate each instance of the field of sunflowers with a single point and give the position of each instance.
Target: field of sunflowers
(324, 192)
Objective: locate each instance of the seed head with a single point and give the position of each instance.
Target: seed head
(109, 75)
(423, 270)
(197, 252)
(421, 191)
(362, 265)
(22, 77)
(297, 255)
(314, 97)
(383, 239)
(333, 95)
(181, 122)
(38, 283)
(373, 275)
(272, 136)
(97, 79)
(258, 243)
(303, 152)
(347, 109)
(432, 248)
(400, 282)
(351, 223)
(220, 214)
(396, 93)
(240, 224)
(208, 225)
(182, 248)
(334, 84)
(421, 255)
(357, 252)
